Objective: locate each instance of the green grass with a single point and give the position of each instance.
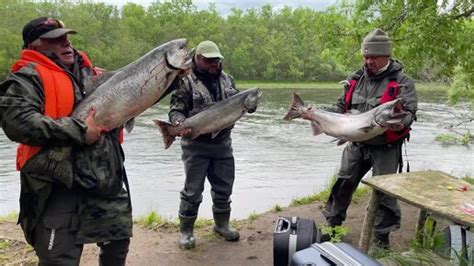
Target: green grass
(10, 217)
(253, 216)
(468, 179)
(4, 243)
(323, 196)
(245, 84)
(336, 232)
(276, 208)
(454, 139)
(151, 220)
(203, 222)
(318, 197)
(360, 192)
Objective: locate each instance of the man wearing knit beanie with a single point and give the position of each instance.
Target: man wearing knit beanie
(377, 43)
(380, 79)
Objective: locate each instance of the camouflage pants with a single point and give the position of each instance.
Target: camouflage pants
(356, 161)
(54, 244)
(201, 160)
(55, 235)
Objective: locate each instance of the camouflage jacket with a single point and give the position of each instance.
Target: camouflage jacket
(98, 218)
(369, 90)
(195, 93)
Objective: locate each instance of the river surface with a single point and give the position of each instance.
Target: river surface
(276, 160)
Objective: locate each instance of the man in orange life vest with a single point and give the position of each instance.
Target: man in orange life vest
(380, 80)
(36, 101)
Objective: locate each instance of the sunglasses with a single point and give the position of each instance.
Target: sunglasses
(51, 23)
(214, 60)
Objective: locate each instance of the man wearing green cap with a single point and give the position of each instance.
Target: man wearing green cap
(207, 155)
(380, 80)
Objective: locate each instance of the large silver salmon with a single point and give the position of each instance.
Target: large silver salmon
(118, 97)
(124, 94)
(217, 117)
(348, 127)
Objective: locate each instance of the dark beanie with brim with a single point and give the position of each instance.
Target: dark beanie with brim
(377, 43)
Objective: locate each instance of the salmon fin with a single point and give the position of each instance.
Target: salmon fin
(341, 141)
(215, 133)
(165, 127)
(295, 104)
(129, 125)
(366, 129)
(316, 128)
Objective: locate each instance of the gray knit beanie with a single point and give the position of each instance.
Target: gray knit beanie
(377, 43)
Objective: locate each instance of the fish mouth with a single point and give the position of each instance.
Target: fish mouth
(251, 106)
(397, 110)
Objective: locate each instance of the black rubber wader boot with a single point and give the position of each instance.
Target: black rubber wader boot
(221, 226)
(381, 241)
(186, 227)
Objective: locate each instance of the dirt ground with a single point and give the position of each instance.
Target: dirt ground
(159, 247)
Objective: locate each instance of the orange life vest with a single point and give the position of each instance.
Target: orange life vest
(58, 93)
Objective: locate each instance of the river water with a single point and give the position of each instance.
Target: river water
(276, 160)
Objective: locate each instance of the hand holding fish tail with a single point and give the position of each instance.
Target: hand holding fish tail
(308, 113)
(185, 132)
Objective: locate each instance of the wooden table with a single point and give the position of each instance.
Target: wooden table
(433, 192)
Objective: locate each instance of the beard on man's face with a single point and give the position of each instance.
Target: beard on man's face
(370, 71)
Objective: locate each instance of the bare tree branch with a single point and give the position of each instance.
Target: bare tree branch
(466, 14)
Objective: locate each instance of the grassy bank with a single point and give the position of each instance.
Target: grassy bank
(245, 84)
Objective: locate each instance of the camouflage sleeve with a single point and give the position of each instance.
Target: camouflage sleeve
(181, 101)
(232, 81)
(21, 114)
(410, 101)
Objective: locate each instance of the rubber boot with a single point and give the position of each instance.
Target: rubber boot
(186, 227)
(381, 241)
(221, 226)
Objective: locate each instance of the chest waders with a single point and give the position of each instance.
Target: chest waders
(358, 159)
(207, 158)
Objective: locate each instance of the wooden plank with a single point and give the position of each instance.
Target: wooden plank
(433, 191)
(369, 219)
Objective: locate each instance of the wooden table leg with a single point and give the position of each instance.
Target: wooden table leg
(422, 214)
(420, 223)
(366, 234)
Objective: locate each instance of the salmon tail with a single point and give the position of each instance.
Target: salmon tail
(295, 105)
(165, 127)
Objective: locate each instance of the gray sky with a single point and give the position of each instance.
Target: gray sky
(224, 6)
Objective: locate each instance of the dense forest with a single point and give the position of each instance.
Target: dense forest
(432, 38)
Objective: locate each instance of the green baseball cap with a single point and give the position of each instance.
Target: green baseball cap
(208, 49)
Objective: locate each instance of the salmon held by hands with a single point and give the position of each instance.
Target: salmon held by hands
(218, 116)
(118, 97)
(124, 94)
(349, 127)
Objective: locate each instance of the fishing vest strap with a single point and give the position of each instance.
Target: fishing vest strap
(350, 89)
